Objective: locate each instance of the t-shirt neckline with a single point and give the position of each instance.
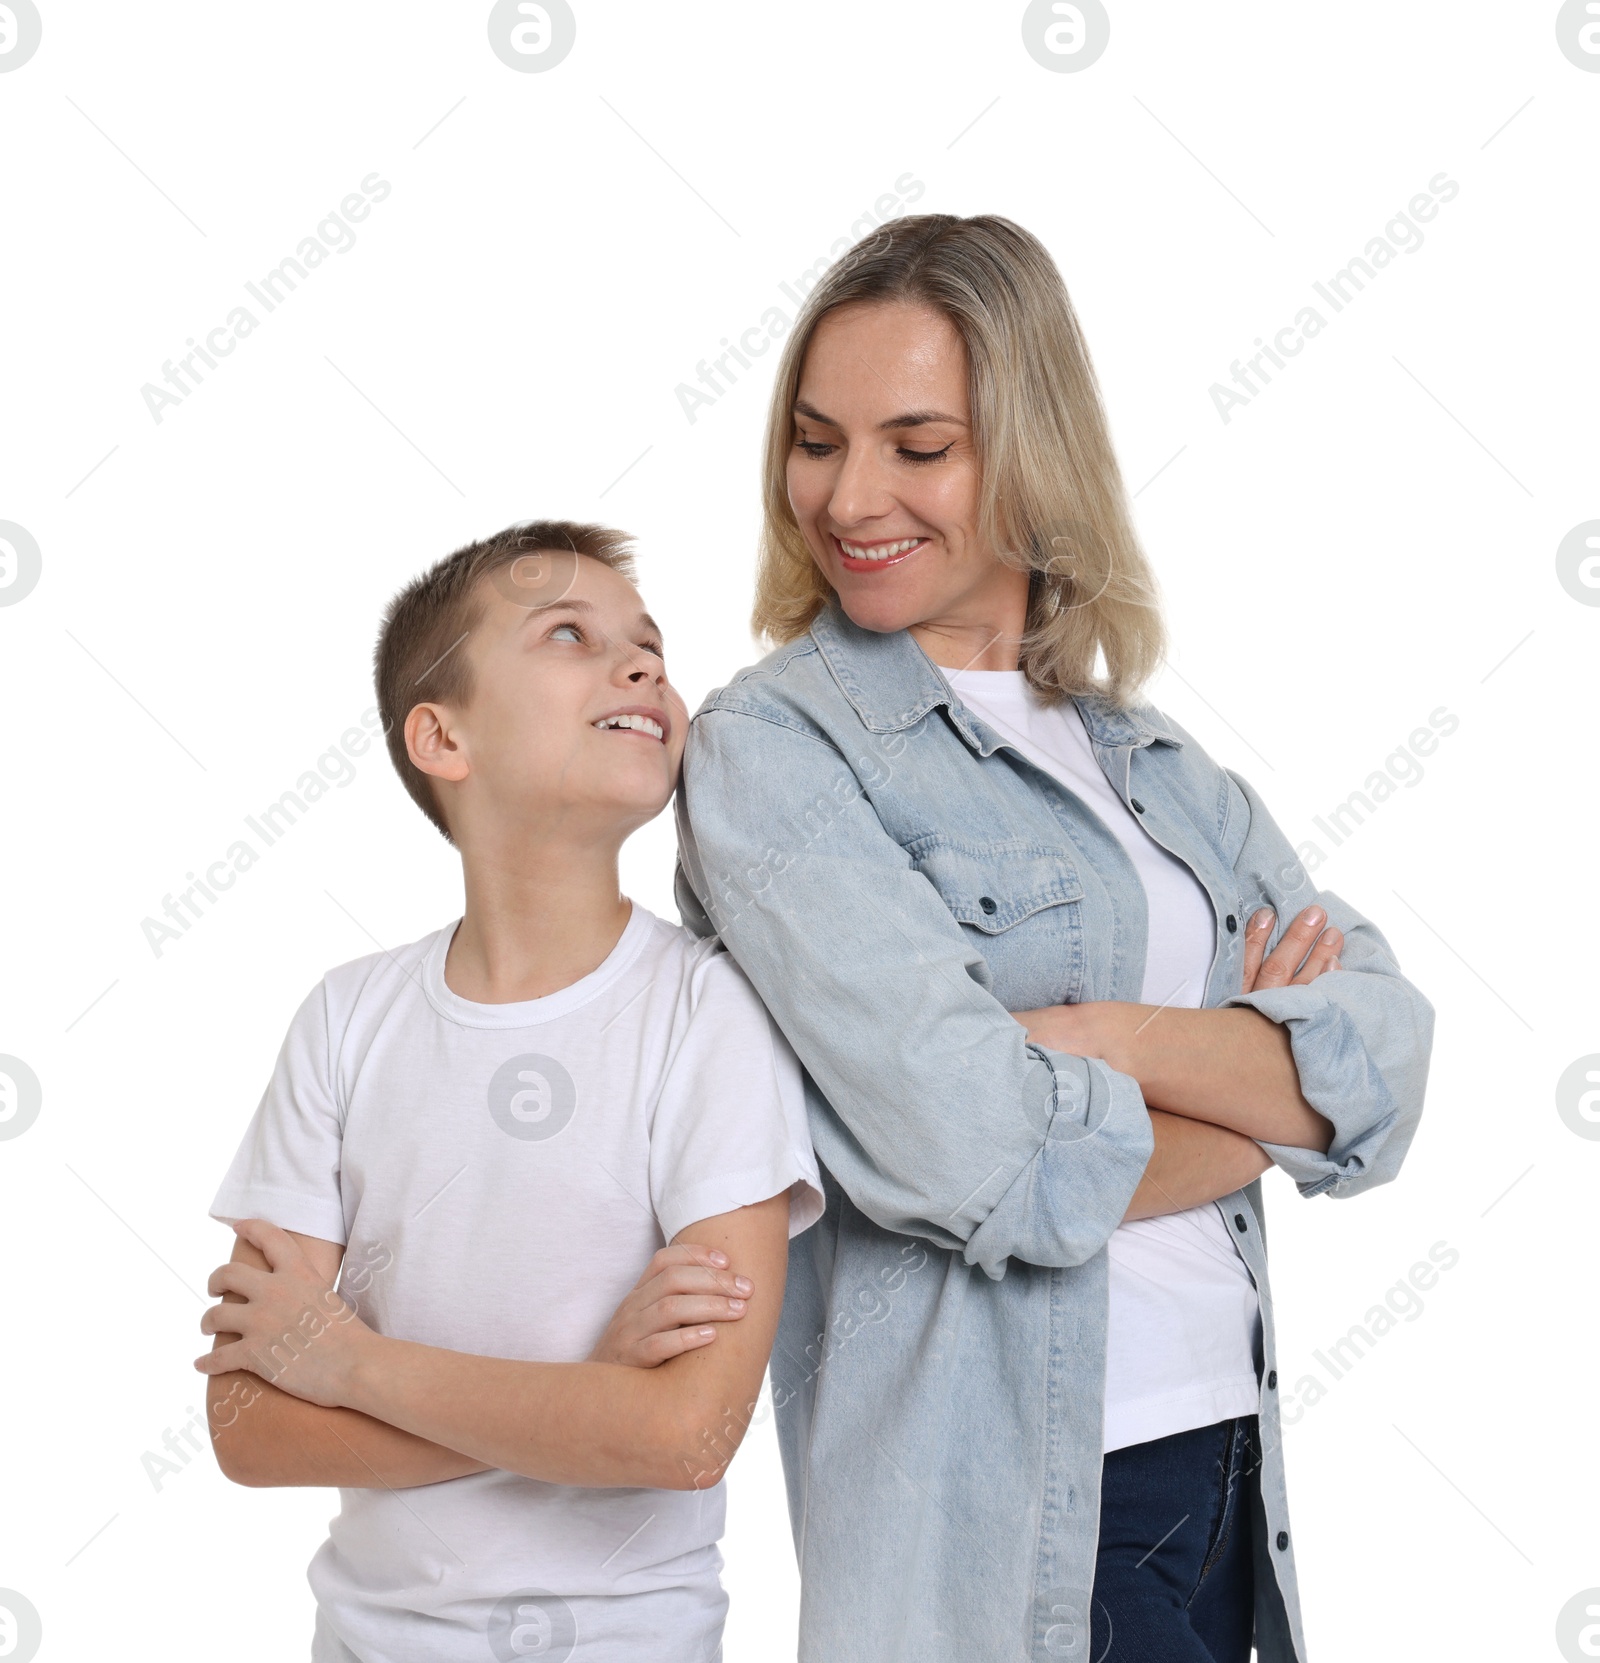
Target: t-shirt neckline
(527, 1013)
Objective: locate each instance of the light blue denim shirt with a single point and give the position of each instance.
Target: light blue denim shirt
(894, 880)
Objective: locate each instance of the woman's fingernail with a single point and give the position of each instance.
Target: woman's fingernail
(718, 1258)
(742, 1283)
(1336, 965)
(1262, 920)
(708, 1333)
(1315, 917)
(736, 1305)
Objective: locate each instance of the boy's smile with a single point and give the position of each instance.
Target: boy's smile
(649, 721)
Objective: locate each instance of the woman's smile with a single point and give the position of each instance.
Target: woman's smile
(859, 555)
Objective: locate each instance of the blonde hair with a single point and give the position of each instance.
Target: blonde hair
(1051, 496)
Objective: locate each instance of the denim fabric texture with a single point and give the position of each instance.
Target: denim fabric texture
(1174, 1580)
(894, 880)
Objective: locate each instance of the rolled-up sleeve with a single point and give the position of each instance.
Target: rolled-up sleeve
(930, 1108)
(1360, 1035)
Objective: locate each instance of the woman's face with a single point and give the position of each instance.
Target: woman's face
(883, 480)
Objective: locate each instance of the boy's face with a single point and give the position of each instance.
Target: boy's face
(540, 738)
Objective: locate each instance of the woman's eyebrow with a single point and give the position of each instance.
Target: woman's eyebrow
(919, 418)
(912, 418)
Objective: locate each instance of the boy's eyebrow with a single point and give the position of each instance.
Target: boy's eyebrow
(912, 418)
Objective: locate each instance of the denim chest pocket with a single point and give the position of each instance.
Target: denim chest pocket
(995, 886)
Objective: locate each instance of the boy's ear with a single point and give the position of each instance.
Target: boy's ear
(432, 745)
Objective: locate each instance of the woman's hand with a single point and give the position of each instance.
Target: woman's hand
(681, 1287)
(1304, 953)
(293, 1329)
(1112, 1028)
(1233, 1067)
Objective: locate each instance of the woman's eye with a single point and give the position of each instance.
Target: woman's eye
(813, 447)
(569, 632)
(924, 455)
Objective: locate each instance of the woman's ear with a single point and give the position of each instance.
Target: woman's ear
(433, 744)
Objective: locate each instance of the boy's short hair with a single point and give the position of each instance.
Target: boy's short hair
(416, 659)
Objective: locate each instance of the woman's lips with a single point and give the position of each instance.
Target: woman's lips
(854, 563)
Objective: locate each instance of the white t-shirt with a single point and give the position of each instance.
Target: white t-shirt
(500, 1175)
(1181, 1343)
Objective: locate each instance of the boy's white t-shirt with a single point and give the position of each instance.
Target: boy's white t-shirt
(1180, 1344)
(499, 1176)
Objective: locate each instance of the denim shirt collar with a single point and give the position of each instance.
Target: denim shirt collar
(891, 683)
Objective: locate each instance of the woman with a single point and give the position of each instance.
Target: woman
(1041, 958)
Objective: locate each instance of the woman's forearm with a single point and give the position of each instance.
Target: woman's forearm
(1232, 1067)
(1194, 1162)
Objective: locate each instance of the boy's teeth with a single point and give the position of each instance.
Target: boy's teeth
(881, 551)
(643, 723)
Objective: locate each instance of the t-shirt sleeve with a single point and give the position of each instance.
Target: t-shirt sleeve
(730, 1124)
(287, 1168)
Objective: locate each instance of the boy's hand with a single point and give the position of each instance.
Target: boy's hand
(293, 1329)
(682, 1288)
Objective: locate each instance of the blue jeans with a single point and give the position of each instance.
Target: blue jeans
(1173, 1577)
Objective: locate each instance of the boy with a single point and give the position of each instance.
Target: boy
(494, 1128)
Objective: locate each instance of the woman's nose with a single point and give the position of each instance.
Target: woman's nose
(859, 492)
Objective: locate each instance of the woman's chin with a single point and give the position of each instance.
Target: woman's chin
(879, 610)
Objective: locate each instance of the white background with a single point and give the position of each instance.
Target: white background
(1370, 539)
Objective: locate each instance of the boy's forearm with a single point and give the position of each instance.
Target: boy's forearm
(597, 1424)
(265, 1437)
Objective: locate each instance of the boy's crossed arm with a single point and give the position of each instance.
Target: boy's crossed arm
(303, 1392)
(264, 1436)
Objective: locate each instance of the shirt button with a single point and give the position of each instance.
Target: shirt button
(1232, 923)
(1239, 1223)
(1138, 807)
(1283, 1540)
(1272, 1379)
(986, 903)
